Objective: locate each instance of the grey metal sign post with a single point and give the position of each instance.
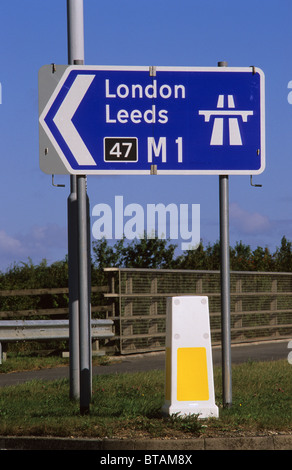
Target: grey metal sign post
(225, 285)
(78, 246)
(75, 52)
(225, 290)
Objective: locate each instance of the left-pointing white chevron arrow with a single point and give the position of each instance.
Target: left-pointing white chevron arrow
(64, 115)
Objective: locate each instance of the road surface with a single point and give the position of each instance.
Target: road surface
(267, 351)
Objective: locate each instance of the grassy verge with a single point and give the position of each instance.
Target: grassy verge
(128, 405)
(22, 362)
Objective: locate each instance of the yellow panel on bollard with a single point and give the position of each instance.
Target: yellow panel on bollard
(189, 383)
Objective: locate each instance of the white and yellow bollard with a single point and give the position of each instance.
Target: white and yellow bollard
(189, 384)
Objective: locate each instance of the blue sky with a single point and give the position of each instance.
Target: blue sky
(33, 213)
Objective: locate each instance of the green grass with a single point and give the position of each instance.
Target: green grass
(19, 362)
(129, 405)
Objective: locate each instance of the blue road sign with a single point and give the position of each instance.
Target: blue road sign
(182, 120)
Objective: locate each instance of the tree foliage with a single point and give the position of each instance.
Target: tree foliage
(139, 253)
(27, 275)
(149, 253)
(155, 253)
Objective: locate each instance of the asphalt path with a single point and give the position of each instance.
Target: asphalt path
(267, 351)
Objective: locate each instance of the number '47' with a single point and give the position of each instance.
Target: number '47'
(117, 152)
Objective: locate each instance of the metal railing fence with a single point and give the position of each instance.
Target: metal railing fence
(261, 304)
(135, 299)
